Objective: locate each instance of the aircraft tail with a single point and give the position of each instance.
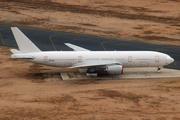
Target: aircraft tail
(25, 44)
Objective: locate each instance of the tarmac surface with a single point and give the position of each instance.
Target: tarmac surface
(49, 40)
(129, 73)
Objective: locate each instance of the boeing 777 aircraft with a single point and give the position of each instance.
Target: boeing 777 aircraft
(111, 62)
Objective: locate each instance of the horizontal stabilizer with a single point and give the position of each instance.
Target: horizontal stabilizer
(14, 51)
(22, 56)
(75, 47)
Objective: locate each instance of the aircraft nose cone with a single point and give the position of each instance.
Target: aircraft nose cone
(169, 60)
(172, 60)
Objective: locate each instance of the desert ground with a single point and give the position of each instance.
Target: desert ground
(26, 94)
(146, 20)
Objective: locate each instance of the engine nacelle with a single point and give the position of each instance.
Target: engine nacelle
(114, 69)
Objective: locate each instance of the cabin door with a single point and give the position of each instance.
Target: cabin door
(156, 58)
(46, 59)
(79, 58)
(129, 58)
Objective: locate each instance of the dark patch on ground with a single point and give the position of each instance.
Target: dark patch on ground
(148, 32)
(138, 27)
(116, 94)
(136, 9)
(35, 77)
(96, 99)
(24, 113)
(26, 22)
(36, 68)
(176, 25)
(57, 100)
(159, 38)
(87, 24)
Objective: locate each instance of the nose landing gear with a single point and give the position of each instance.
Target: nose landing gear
(159, 70)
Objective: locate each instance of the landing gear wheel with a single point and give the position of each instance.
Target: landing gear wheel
(159, 70)
(92, 74)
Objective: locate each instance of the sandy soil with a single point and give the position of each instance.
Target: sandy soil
(26, 94)
(156, 21)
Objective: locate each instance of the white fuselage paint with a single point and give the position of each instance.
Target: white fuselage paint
(125, 58)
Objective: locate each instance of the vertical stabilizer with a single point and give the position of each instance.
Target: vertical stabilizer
(25, 45)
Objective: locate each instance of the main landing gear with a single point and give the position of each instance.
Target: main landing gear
(91, 72)
(159, 70)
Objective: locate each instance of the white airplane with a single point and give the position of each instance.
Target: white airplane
(111, 62)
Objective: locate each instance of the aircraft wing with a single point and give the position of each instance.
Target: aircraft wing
(95, 63)
(75, 47)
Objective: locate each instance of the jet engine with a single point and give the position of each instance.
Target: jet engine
(114, 69)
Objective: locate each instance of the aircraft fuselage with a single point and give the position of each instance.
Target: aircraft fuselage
(125, 58)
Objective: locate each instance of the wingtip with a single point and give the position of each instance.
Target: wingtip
(66, 43)
(14, 28)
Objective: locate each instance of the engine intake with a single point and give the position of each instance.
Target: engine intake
(114, 69)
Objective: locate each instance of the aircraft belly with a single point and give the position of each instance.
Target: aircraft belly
(65, 63)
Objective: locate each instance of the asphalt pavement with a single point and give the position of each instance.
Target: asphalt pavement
(50, 40)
